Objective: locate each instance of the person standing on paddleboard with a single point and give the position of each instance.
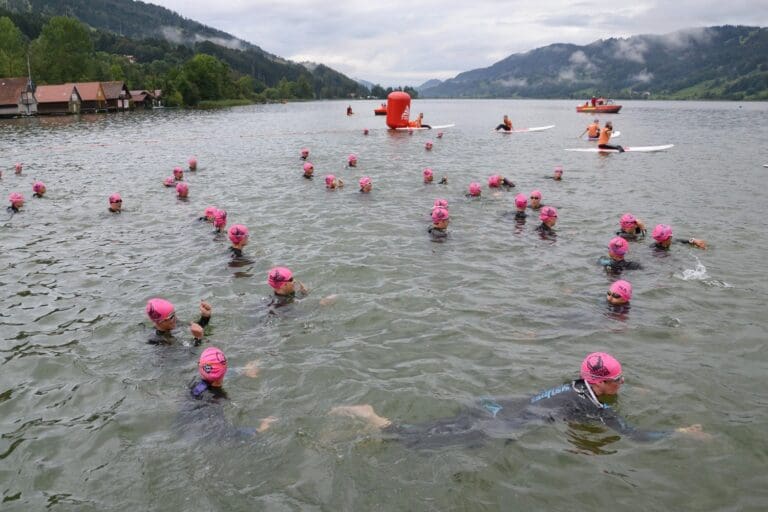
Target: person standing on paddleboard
(605, 136)
(506, 124)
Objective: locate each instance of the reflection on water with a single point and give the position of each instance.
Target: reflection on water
(87, 406)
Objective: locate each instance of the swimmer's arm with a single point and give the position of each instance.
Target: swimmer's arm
(303, 289)
(696, 242)
(620, 425)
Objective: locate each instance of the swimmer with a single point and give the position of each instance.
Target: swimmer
(115, 203)
(182, 190)
(428, 175)
(615, 262)
(169, 182)
(440, 219)
(497, 181)
(365, 131)
(209, 214)
(475, 190)
(662, 234)
(349, 110)
(352, 160)
(506, 124)
(605, 136)
(178, 174)
(192, 163)
(592, 131)
(619, 293)
(535, 200)
(281, 280)
(366, 184)
(548, 217)
(219, 220)
(162, 313)
(18, 168)
(304, 153)
(443, 181)
(332, 182)
(428, 145)
(581, 401)
(309, 169)
(439, 135)
(557, 175)
(631, 227)
(521, 204)
(17, 202)
(38, 189)
(238, 235)
(442, 203)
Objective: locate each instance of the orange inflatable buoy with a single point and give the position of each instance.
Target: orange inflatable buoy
(398, 109)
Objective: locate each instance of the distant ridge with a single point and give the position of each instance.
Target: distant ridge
(726, 62)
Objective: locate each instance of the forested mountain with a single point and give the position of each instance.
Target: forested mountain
(149, 33)
(727, 62)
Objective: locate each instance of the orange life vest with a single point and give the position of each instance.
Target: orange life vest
(593, 130)
(605, 136)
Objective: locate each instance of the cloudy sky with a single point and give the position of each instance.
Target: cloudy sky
(402, 42)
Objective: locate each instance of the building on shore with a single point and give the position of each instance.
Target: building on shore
(91, 96)
(58, 99)
(142, 99)
(17, 97)
(117, 95)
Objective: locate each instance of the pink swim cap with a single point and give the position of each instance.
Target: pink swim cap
(627, 221)
(38, 187)
(115, 198)
(521, 201)
(278, 276)
(220, 219)
(209, 212)
(178, 172)
(18, 167)
(439, 214)
(169, 181)
(192, 162)
(365, 181)
(559, 169)
(618, 246)
(494, 181)
(439, 135)
(238, 233)
(308, 167)
(536, 194)
(474, 189)
(182, 189)
(329, 179)
(304, 152)
(15, 197)
(623, 288)
(442, 203)
(365, 131)
(212, 365)
(428, 144)
(427, 172)
(662, 233)
(352, 158)
(548, 212)
(599, 366)
(159, 309)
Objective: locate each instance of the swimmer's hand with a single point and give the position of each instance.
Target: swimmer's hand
(303, 289)
(444, 180)
(641, 225)
(205, 309)
(696, 242)
(265, 424)
(327, 301)
(340, 183)
(252, 369)
(196, 330)
(695, 431)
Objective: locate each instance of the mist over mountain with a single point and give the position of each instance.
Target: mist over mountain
(725, 62)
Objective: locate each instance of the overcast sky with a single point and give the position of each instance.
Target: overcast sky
(402, 42)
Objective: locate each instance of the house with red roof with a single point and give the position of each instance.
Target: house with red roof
(17, 97)
(58, 99)
(117, 94)
(92, 97)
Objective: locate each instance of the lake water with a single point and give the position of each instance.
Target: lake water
(418, 329)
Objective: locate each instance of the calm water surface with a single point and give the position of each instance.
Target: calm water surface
(418, 329)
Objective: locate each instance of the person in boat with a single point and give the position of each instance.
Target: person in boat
(605, 136)
(418, 122)
(585, 400)
(349, 110)
(593, 101)
(593, 130)
(662, 234)
(506, 124)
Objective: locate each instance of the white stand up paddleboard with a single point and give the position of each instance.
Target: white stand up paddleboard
(613, 136)
(433, 127)
(765, 165)
(524, 130)
(627, 149)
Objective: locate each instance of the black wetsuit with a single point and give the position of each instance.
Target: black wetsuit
(168, 337)
(617, 266)
(37, 195)
(236, 253)
(637, 234)
(507, 183)
(505, 127)
(437, 234)
(110, 210)
(546, 232)
(573, 402)
(443, 181)
(202, 415)
(12, 210)
(520, 215)
(308, 176)
(660, 247)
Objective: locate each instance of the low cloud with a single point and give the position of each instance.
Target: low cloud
(512, 82)
(233, 44)
(644, 76)
(632, 49)
(685, 38)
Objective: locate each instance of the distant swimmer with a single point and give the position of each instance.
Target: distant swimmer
(182, 190)
(38, 189)
(169, 182)
(439, 228)
(332, 182)
(506, 124)
(18, 168)
(209, 214)
(238, 235)
(615, 262)
(17, 202)
(220, 221)
(620, 293)
(115, 203)
(366, 184)
(535, 203)
(428, 175)
(428, 145)
(162, 313)
(548, 217)
(475, 190)
(521, 204)
(592, 131)
(499, 181)
(352, 160)
(349, 110)
(662, 234)
(605, 136)
(281, 280)
(583, 401)
(632, 228)
(309, 170)
(178, 174)
(304, 153)
(557, 175)
(192, 163)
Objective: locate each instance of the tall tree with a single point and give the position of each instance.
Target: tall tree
(63, 52)
(208, 75)
(12, 61)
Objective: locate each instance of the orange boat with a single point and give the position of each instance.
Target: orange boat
(602, 107)
(381, 111)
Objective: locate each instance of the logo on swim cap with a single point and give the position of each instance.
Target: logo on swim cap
(597, 368)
